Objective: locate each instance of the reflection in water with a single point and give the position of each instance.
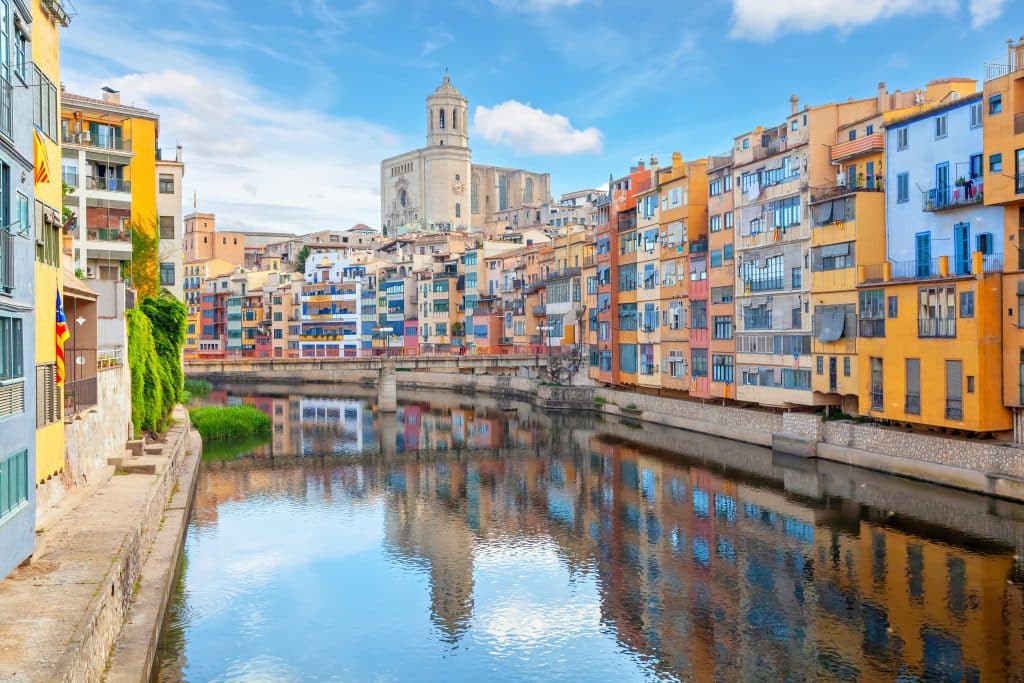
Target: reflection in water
(480, 541)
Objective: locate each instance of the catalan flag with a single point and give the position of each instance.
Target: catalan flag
(42, 163)
(62, 336)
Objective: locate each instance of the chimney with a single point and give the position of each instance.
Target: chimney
(654, 161)
(883, 97)
(794, 103)
(677, 159)
(177, 153)
(110, 95)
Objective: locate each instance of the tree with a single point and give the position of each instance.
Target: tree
(144, 271)
(300, 260)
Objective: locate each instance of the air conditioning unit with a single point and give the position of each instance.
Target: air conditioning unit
(841, 179)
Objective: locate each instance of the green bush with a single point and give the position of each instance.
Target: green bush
(198, 387)
(156, 336)
(229, 422)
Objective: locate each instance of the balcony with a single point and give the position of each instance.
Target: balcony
(699, 246)
(854, 148)
(79, 395)
(107, 184)
(820, 193)
(945, 198)
(108, 235)
(944, 328)
(85, 139)
(540, 310)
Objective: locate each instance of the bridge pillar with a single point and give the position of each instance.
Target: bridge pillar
(387, 392)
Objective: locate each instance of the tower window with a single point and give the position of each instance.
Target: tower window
(455, 119)
(458, 210)
(441, 119)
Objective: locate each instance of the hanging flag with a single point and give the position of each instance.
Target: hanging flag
(42, 163)
(62, 336)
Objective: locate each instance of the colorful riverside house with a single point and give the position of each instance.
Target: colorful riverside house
(588, 324)
(774, 171)
(929, 316)
(625, 320)
(564, 306)
(39, 83)
(721, 276)
(331, 296)
(648, 286)
(1002, 111)
(109, 159)
(21, 464)
(601, 344)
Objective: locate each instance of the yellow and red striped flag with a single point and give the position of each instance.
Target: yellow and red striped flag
(42, 163)
(62, 336)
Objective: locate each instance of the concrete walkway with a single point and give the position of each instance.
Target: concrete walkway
(61, 614)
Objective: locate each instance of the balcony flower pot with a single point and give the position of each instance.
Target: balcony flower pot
(961, 181)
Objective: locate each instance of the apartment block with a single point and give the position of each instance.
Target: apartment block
(170, 173)
(721, 276)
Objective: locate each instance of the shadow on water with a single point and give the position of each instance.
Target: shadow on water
(467, 538)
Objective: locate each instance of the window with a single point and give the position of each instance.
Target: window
(727, 220)
(877, 398)
(13, 482)
(796, 277)
(440, 119)
(894, 304)
(995, 104)
(954, 390)
(794, 124)
(627, 277)
(846, 366)
(727, 252)
(759, 276)
(985, 243)
(699, 315)
(675, 197)
(699, 365)
(902, 138)
(721, 295)
(872, 313)
(167, 227)
(757, 318)
(728, 182)
(975, 114)
(832, 257)
(716, 258)
(966, 304)
(722, 368)
(458, 210)
(746, 143)
(166, 183)
(167, 274)
(912, 402)
(936, 314)
(627, 358)
(21, 53)
(627, 317)
(869, 129)
(723, 327)
(48, 403)
(44, 105)
(715, 223)
(11, 352)
(941, 124)
(715, 187)
(995, 163)
(903, 187)
(820, 365)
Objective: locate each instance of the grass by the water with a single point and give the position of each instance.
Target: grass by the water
(229, 422)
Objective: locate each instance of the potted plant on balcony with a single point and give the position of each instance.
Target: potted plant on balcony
(860, 179)
(961, 181)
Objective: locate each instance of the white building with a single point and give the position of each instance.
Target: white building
(438, 188)
(933, 203)
(332, 296)
(169, 175)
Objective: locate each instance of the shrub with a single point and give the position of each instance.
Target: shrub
(631, 406)
(156, 336)
(229, 422)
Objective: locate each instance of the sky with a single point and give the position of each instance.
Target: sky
(286, 107)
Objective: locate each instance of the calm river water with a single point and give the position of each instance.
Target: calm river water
(472, 539)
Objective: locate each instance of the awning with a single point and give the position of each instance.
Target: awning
(832, 324)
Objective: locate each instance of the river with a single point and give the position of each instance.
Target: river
(475, 539)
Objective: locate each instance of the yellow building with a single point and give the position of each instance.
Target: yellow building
(109, 160)
(47, 21)
(1002, 108)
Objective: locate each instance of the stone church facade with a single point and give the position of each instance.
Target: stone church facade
(437, 188)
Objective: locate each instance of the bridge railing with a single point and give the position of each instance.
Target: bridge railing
(394, 352)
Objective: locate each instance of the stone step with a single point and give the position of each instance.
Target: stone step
(153, 448)
(135, 446)
(145, 465)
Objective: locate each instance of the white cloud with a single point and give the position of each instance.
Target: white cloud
(258, 160)
(539, 6)
(532, 131)
(762, 21)
(984, 11)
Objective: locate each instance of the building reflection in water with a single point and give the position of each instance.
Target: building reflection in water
(703, 571)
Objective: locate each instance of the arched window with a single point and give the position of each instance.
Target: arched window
(455, 119)
(402, 198)
(502, 192)
(528, 190)
(458, 210)
(441, 120)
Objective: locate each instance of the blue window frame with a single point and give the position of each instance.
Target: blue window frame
(962, 248)
(902, 187)
(923, 253)
(13, 482)
(995, 104)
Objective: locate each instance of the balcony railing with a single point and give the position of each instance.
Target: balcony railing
(936, 327)
(109, 235)
(918, 268)
(943, 198)
(86, 139)
(108, 184)
(79, 395)
(877, 399)
(698, 246)
(6, 260)
(954, 409)
(912, 404)
(540, 309)
(862, 145)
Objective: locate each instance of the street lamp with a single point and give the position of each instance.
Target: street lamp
(384, 330)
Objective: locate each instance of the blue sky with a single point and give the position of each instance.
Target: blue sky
(285, 107)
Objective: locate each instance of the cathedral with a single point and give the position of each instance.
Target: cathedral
(438, 188)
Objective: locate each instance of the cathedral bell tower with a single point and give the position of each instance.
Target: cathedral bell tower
(447, 117)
